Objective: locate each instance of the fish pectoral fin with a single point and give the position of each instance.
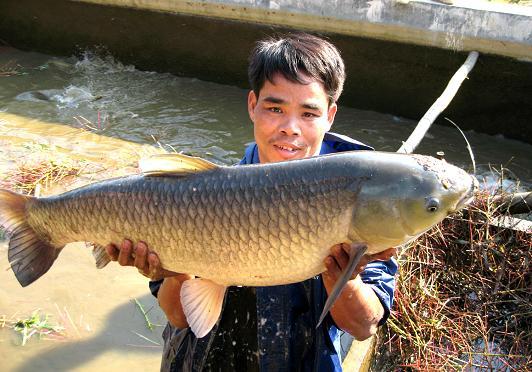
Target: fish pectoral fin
(174, 165)
(356, 252)
(202, 301)
(29, 255)
(100, 255)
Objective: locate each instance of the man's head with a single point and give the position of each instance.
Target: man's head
(295, 80)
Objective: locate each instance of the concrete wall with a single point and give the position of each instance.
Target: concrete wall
(384, 74)
(501, 29)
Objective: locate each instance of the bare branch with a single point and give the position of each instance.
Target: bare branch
(441, 104)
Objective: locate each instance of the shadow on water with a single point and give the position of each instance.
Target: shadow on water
(117, 336)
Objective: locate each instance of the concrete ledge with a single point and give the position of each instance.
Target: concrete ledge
(467, 25)
(360, 355)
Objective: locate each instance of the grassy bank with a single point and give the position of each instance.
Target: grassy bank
(463, 298)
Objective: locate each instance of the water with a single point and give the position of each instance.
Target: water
(205, 119)
(188, 114)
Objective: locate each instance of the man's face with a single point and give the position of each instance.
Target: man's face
(290, 119)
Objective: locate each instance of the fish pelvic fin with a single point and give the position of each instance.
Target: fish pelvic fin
(100, 255)
(174, 165)
(202, 301)
(355, 255)
(29, 255)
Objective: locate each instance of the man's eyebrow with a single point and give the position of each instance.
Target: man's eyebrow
(280, 101)
(274, 100)
(311, 106)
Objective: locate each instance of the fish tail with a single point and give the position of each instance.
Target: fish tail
(30, 257)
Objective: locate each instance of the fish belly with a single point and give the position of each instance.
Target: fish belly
(234, 231)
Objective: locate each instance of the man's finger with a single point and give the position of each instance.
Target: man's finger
(156, 271)
(363, 260)
(333, 270)
(112, 252)
(384, 255)
(125, 258)
(167, 274)
(154, 267)
(141, 252)
(341, 255)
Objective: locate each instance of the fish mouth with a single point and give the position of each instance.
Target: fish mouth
(469, 196)
(467, 199)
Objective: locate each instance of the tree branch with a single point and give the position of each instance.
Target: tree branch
(441, 104)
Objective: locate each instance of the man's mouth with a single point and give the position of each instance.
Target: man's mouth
(288, 148)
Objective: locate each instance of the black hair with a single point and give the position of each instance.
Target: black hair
(294, 54)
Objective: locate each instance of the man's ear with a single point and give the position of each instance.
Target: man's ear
(331, 113)
(252, 103)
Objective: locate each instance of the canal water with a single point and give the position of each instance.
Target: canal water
(104, 327)
(202, 118)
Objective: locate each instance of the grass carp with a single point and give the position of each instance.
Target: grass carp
(253, 225)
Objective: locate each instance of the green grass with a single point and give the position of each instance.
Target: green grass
(37, 324)
(151, 326)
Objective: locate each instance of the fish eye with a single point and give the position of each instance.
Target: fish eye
(432, 205)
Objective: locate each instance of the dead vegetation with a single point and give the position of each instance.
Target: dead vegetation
(41, 170)
(463, 298)
(30, 177)
(10, 68)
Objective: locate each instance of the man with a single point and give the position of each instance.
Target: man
(296, 81)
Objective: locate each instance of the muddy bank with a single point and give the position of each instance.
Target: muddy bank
(104, 329)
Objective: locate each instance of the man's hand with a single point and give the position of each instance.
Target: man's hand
(339, 257)
(146, 262)
(149, 265)
(357, 310)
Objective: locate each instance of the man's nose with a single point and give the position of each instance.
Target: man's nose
(290, 127)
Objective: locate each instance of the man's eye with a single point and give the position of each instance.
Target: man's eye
(310, 115)
(274, 109)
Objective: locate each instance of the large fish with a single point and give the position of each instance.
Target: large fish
(254, 225)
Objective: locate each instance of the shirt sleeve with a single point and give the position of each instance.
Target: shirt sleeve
(154, 287)
(380, 275)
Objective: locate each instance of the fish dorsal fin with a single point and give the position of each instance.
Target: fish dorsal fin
(202, 301)
(174, 164)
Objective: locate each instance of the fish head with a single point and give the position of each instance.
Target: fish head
(439, 189)
(408, 195)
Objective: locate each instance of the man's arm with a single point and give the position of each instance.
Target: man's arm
(357, 310)
(169, 297)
